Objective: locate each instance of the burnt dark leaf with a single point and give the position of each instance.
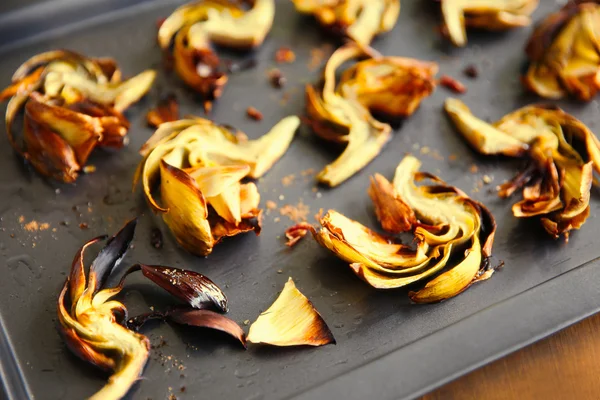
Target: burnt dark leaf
(188, 286)
(207, 319)
(112, 254)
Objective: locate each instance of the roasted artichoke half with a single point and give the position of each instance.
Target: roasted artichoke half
(343, 113)
(190, 31)
(200, 166)
(360, 20)
(94, 326)
(452, 232)
(493, 15)
(564, 53)
(72, 104)
(556, 184)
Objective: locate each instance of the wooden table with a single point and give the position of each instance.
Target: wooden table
(565, 365)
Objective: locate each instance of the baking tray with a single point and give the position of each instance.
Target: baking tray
(386, 347)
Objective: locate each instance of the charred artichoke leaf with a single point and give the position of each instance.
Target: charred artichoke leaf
(564, 53)
(190, 287)
(91, 329)
(207, 319)
(390, 85)
(483, 137)
(495, 15)
(198, 142)
(195, 26)
(556, 185)
(360, 20)
(88, 315)
(120, 95)
(186, 212)
(292, 320)
(73, 103)
(444, 222)
(186, 196)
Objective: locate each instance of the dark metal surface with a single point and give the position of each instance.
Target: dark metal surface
(387, 348)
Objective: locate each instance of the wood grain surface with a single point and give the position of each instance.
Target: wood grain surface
(565, 365)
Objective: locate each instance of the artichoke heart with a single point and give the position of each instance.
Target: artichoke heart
(556, 185)
(200, 166)
(564, 53)
(191, 29)
(453, 234)
(359, 20)
(96, 328)
(342, 113)
(72, 105)
(88, 321)
(292, 320)
(493, 15)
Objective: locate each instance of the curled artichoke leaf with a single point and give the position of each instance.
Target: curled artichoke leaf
(446, 224)
(564, 53)
(495, 15)
(341, 112)
(90, 327)
(72, 102)
(204, 199)
(360, 20)
(482, 136)
(556, 185)
(194, 27)
(95, 327)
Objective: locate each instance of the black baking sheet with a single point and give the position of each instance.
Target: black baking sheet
(386, 347)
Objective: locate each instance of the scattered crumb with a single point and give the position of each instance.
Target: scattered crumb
(307, 172)
(471, 71)
(172, 397)
(21, 219)
(452, 84)
(83, 225)
(425, 150)
(315, 189)
(437, 156)
(276, 219)
(12, 235)
(452, 157)
(285, 55)
(246, 322)
(288, 180)
(319, 195)
(281, 197)
(182, 389)
(297, 213)
(34, 226)
(271, 205)
(254, 114)
(280, 271)
(487, 179)
(276, 78)
(474, 169)
(89, 169)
